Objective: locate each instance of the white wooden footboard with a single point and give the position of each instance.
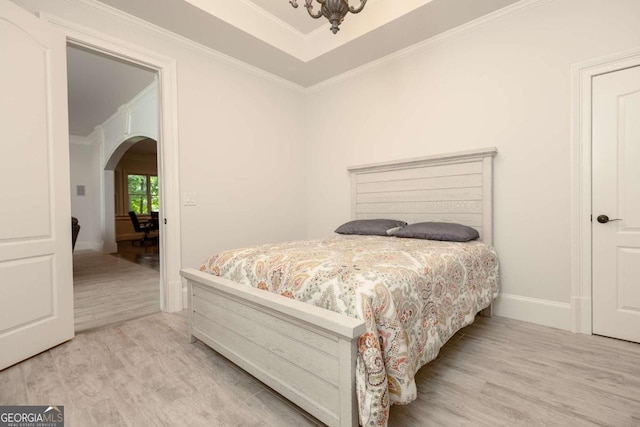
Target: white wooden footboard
(305, 353)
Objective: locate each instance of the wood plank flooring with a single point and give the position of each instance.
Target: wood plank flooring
(109, 290)
(496, 372)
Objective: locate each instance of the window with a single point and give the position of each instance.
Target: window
(143, 193)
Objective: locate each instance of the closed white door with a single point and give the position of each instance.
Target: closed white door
(36, 282)
(616, 204)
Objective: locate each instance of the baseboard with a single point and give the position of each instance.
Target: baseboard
(542, 312)
(88, 246)
(581, 308)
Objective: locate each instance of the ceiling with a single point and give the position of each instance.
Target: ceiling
(98, 85)
(268, 34)
(275, 37)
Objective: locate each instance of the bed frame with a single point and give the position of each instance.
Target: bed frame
(306, 353)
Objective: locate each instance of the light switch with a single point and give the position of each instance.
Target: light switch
(80, 190)
(190, 199)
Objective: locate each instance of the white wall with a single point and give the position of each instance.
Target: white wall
(240, 139)
(84, 159)
(264, 170)
(505, 83)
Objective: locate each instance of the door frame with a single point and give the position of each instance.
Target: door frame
(581, 178)
(171, 292)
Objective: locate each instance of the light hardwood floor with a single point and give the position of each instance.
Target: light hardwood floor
(496, 372)
(109, 290)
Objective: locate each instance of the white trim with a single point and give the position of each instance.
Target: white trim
(293, 31)
(581, 75)
(112, 13)
(126, 108)
(542, 312)
(428, 43)
(168, 152)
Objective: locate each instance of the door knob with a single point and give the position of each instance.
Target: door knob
(603, 219)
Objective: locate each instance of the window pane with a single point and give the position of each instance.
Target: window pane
(138, 202)
(137, 184)
(153, 188)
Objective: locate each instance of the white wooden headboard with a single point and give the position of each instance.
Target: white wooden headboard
(454, 187)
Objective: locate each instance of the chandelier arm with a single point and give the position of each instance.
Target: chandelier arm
(314, 15)
(333, 10)
(358, 10)
(309, 7)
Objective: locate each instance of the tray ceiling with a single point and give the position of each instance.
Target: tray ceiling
(275, 37)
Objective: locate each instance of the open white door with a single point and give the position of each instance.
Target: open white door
(36, 279)
(616, 204)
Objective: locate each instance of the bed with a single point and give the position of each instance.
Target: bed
(320, 359)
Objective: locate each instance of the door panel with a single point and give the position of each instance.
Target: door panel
(628, 156)
(30, 297)
(616, 193)
(628, 277)
(36, 283)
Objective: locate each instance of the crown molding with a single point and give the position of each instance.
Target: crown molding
(110, 12)
(288, 28)
(137, 23)
(429, 43)
(249, 18)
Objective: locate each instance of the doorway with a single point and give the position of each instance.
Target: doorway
(39, 309)
(172, 292)
(137, 204)
(113, 108)
(616, 204)
(583, 292)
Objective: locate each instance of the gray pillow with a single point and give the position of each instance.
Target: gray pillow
(448, 231)
(370, 227)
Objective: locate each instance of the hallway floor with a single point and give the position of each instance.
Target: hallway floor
(111, 289)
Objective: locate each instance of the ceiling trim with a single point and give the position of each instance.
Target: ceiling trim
(274, 18)
(428, 43)
(113, 13)
(254, 20)
(133, 21)
(322, 41)
(153, 86)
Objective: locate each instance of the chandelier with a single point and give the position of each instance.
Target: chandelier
(333, 10)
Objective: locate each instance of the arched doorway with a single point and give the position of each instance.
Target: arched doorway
(133, 160)
(136, 194)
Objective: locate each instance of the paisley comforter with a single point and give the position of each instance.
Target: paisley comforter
(413, 295)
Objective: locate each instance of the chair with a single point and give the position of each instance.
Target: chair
(75, 229)
(145, 228)
(154, 220)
